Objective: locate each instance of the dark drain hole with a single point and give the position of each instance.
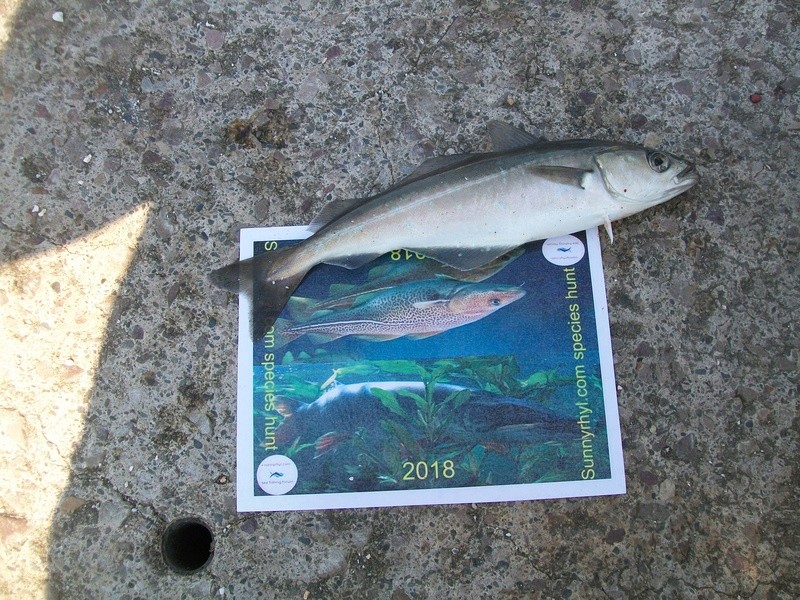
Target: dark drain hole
(187, 545)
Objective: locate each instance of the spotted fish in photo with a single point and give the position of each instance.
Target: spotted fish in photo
(416, 310)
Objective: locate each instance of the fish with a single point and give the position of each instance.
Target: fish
(382, 277)
(483, 417)
(466, 210)
(417, 310)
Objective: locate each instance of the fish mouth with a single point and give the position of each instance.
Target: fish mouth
(687, 178)
(689, 171)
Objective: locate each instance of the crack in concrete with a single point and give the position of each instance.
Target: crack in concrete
(127, 498)
(379, 128)
(43, 429)
(429, 51)
(34, 234)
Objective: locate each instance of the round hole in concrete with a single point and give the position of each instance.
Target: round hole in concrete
(187, 545)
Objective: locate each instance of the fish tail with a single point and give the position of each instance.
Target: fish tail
(257, 278)
(269, 298)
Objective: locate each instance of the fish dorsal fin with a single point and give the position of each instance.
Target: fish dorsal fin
(464, 259)
(505, 137)
(333, 210)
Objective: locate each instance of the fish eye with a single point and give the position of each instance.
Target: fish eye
(658, 161)
(495, 302)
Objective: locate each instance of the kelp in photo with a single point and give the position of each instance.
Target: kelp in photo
(455, 422)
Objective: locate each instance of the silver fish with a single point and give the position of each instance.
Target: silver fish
(467, 210)
(418, 310)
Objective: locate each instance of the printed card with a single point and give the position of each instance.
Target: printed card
(405, 382)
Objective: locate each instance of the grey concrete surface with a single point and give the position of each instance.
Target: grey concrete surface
(122, 185)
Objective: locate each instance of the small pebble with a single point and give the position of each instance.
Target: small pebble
(755, 98)
(58, 16)
(87, 159)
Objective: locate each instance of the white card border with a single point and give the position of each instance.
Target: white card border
(247, 501)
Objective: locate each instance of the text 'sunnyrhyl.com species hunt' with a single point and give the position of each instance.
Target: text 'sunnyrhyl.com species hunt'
(467, 210)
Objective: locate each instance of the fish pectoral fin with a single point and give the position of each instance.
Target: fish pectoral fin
(562, 175)
(505, 137)
(429, 303)
(609, 231)
(328, 442)
(464, 259)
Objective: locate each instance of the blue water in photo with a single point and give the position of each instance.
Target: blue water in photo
(519, 359)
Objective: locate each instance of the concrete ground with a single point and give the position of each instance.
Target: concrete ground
(125, 179)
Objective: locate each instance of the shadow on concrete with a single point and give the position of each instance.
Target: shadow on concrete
(124, 106)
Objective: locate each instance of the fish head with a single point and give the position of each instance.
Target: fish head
(483, 299)
(643, 177)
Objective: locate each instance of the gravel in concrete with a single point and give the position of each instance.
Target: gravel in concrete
(137, 138)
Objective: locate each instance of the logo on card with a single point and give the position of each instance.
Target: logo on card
(563, 251)
(277, 474)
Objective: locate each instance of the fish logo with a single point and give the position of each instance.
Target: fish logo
(275, 474)
(564, 250)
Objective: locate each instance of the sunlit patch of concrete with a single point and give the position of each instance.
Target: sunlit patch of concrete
(8, 8)
(54, 309)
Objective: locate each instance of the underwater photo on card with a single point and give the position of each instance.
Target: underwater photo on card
(407, 375)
